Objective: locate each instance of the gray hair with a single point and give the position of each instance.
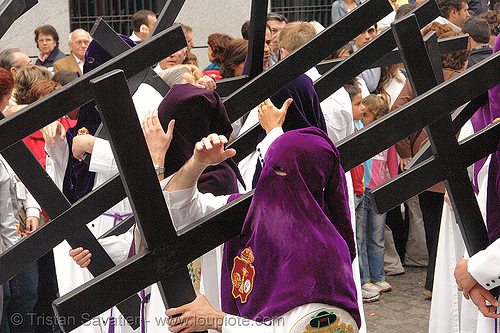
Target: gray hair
(175, 75)
(7, 58)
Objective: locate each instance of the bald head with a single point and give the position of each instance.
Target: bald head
(79, 41)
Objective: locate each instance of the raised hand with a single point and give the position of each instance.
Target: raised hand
(158, 141)
(270, 117)
(210, 150)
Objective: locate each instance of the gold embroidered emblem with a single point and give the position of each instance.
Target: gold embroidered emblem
(243, 274)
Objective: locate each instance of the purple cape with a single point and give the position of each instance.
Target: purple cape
(482, 118)
(198, 113)
(78, 180)
(299, 230)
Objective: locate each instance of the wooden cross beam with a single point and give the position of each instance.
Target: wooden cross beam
(442, 137)
(446, 45)
(335, 78)
(178, 250)
(11, 10)
(460, 117)
(73, 95)
(256, 38)
(167, 17)
(110, 41)
(326, 42)
(145, 195)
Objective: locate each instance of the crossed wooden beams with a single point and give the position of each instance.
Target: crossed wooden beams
(167, 255)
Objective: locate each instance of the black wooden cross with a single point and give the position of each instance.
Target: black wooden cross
(334, 78)
(441, 136)
(167, 257)
(353, 17)
(11, 10)
(54, 203)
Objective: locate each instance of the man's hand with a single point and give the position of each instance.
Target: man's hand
(158, 141)
(196, 316)
(479, 296)
(270, 117)
(465, 282)
(31, 224)
(53, 130)
(83, 144)
(80, 256)
(207, 82)
(210, 150)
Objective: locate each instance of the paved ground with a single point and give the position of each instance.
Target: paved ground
(404, 309)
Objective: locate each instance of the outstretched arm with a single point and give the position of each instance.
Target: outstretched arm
(208, 151)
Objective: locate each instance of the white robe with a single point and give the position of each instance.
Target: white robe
(70, 275)
(450, 311)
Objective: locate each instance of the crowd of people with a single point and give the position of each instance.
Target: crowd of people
(312, 248)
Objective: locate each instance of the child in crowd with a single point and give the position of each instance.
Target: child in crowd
(370, 226)
(354, 91)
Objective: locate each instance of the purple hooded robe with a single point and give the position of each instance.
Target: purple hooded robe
(298, 232)
(482, 118)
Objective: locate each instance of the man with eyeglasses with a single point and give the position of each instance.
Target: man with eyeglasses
(47, 41)
(79, 41)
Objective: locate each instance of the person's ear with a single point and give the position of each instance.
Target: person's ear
(144, 29)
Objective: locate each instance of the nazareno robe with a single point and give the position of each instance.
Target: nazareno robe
(482, 118)
(297, 239)
(198, 113)
(78, 180)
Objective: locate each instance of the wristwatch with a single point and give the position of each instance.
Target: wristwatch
(159, 170)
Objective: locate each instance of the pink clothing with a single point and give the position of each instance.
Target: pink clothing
(381, 168)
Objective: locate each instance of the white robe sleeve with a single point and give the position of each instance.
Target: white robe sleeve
(484, 266)
(57, 161)
(118, 247)
(188, 205)
(102, 159)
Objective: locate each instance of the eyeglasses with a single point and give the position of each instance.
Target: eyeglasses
(81, 42)
(47, 40)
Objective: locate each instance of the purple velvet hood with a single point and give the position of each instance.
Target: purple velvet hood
(198, 113)
(297, 234)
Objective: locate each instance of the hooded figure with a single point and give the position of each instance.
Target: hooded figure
(293, 256)
(482, 118)
(297, 234)
(197, 112)
(78, 180)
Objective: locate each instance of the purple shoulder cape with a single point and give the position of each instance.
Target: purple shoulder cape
(297, 244)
